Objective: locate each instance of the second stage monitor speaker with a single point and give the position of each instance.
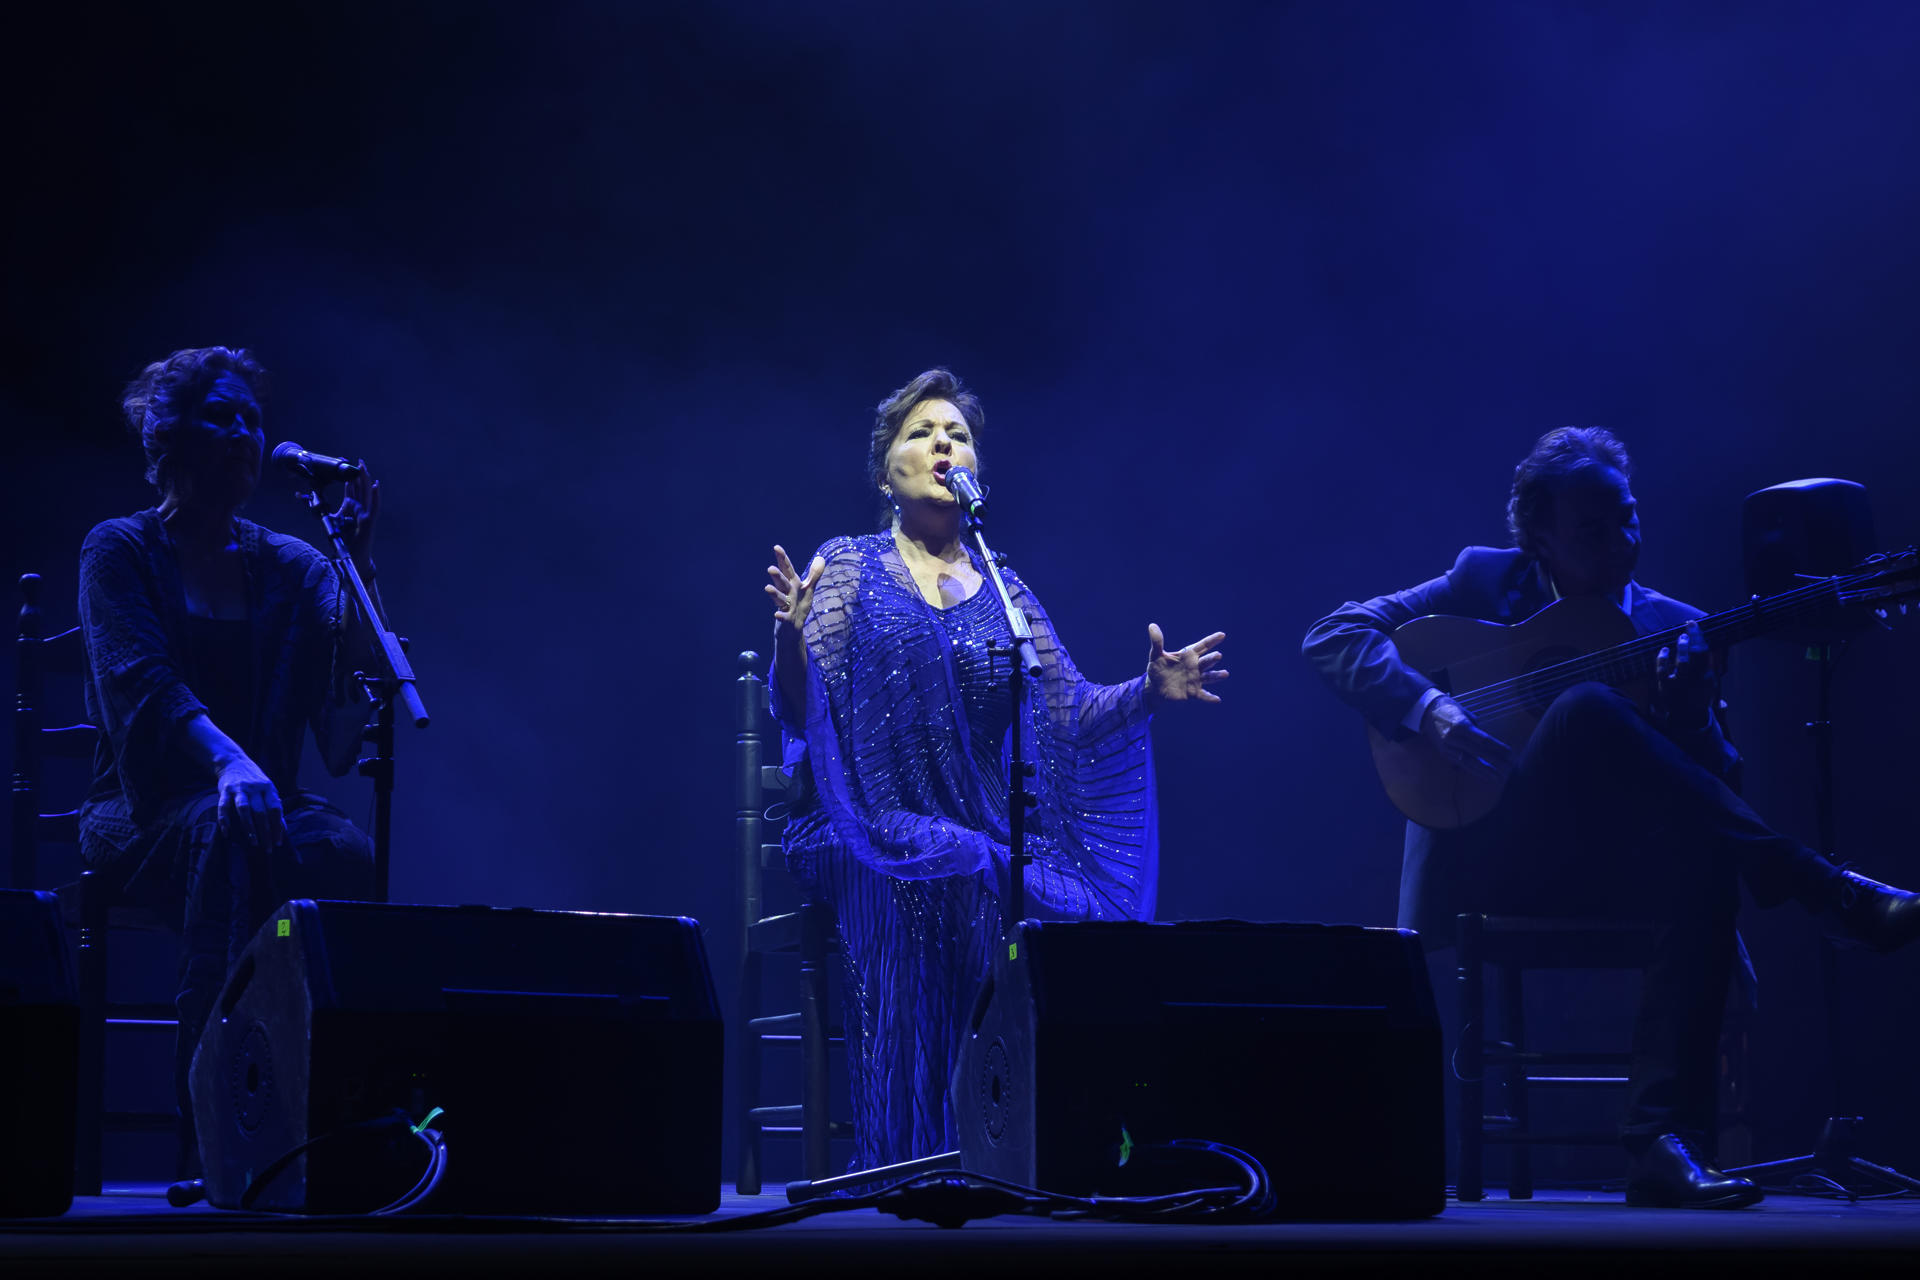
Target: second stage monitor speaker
(1315, 1048)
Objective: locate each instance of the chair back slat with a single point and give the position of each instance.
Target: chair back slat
(57, 828)
(63, 655)
(69, 741)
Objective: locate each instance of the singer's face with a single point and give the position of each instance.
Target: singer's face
(217, 453)
(934, 439)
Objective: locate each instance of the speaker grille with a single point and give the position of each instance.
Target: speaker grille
(996, 1089)
(250, 1079)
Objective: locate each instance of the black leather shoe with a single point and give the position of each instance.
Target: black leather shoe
(1874, 914)
(1670, 1175)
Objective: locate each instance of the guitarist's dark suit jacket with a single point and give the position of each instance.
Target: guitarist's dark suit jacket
(1351, 650)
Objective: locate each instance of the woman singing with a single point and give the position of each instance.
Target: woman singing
(883, 673)
(213, 645)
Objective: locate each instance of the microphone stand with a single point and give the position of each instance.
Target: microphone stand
(392, 681)
(1025, 662)
(1835, 1159)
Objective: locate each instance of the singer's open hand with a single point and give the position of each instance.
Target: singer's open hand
(1184, 674)
(359, 504)
(792, 595)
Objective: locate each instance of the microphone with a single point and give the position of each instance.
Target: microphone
(967, 491)
(313, 466)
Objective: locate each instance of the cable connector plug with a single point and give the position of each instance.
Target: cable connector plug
(952, 1201)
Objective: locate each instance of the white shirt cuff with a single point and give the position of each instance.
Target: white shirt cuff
(1418, 713)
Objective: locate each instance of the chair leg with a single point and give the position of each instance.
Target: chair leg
(91, 1112)
(1514, 1015)
(1469, 1062)
(815, 1116)
(748, 1179)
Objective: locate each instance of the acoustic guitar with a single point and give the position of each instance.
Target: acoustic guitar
(1505, 676)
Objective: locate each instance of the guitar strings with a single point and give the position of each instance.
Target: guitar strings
(1624, 661)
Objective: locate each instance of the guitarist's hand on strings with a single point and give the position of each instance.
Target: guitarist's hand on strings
(1448, 727)
(1685, 690)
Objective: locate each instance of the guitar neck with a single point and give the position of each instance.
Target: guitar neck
(1623, 664)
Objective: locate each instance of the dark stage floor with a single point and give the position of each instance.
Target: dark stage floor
(1559, 1233)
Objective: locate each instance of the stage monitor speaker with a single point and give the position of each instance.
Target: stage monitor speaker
(577, 1058)
(1805, 529)
(39, 1057)
(1315, 1048)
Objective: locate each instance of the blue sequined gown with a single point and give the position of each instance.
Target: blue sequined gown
(905, 735)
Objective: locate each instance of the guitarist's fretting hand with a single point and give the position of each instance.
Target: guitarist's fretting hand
(1448, 727)
(1686, 689)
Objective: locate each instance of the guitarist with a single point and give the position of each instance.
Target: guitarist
(1606, 812)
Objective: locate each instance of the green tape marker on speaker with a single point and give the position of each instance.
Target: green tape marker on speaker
(283, 929)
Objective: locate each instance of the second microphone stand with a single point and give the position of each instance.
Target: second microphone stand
(1835, 1161)
(391, 682)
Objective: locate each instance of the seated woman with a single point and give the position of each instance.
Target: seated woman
(883, 668)
(213, 645)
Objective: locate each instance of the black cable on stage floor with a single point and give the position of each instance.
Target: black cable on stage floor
(946, 1198)
(423, 1187)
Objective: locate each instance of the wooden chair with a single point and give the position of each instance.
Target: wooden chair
(807, 931)
(1513, 945)
(89, 903)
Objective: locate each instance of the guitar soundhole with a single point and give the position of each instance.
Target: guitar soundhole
(1537, 689)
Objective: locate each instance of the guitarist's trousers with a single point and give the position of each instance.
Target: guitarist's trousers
(1606, 817)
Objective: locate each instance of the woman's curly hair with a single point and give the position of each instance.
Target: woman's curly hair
(172, 389)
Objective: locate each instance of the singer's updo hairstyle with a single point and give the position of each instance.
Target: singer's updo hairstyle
(891, 414)
(172, 389)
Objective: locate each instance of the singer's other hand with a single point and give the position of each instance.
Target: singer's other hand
(1183, 675)
(359, 504)
(792, 595)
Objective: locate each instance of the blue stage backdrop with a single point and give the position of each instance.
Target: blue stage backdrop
(1264, 301)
